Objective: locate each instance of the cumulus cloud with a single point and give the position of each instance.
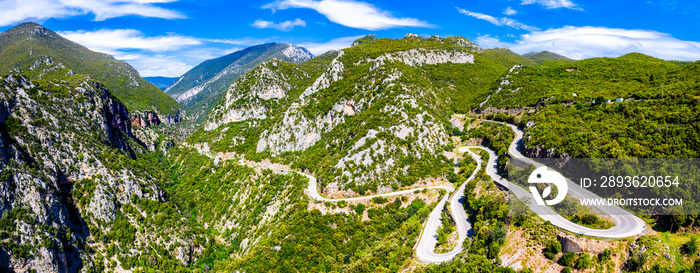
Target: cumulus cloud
(15, 11)
(587, 42)
(350, 13)
(155, 65)
(553, 4)
(510, 11)
(503, 21)
(335, 44)
(109, 40)
(283, 26)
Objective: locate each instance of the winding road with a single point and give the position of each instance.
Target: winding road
(626, 224)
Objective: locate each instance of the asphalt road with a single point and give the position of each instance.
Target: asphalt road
(626, 224)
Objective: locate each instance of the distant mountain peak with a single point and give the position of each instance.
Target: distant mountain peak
(202, 87)
(297, 53)
(31, 29)
(543, 56)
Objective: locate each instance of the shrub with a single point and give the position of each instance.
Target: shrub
(342, 204)
(567, 259)
(584, 262)
(551, 249)
(605, 255)
(379, 200)
(691, 247)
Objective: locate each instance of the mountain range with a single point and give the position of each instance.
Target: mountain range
(161, 82)
(201, 88)
(87, 185)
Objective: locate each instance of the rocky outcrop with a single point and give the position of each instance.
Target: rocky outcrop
(569, 243)
(249, 97)
(116, 114)
(419, 57)
(147, 118)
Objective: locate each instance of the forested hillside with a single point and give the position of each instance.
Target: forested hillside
(40, 53)
(375, 115)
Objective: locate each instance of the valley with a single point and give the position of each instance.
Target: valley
(390, 155)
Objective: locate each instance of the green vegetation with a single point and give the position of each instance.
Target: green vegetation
(546, 56)
(632, 76)
(567, 259)
(649, 129)
(53, 57)
(575, 212)
(310, 242)
(551, 249)
(691, 247)
(447, 228)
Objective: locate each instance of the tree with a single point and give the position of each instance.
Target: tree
(360, 208)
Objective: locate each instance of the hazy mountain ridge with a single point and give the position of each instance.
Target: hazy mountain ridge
(161, 82)
(543, 56)
(203, 86)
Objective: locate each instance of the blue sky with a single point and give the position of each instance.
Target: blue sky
(168, 37)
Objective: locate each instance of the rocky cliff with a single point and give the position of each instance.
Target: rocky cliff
(73, 181)
(363, 118)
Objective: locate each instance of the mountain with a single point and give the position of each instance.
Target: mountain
(372, 117)
(367, 119)
(201, 88)
(39, 53)
(161, 82)
(574, 118)
(76, 182)
(543, 56)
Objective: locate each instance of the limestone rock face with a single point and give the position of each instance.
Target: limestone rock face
(375, 107)
(65, 155)
(419, 57)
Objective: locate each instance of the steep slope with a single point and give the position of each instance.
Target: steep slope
(543, 56)
(375, 117)
(39, 53)
(652, 110)
(77, 191)
(201, 87)
(161, 82)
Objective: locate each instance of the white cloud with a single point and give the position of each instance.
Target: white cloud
(553, 4)
(156, 65)
(168, 55)
(243, 41)
(498, 21)
(15, 11)
(283, 26)
(510, 11)
(587, 42)
(109, 40)
(350, 13)
(335, 44)
(486, 17)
